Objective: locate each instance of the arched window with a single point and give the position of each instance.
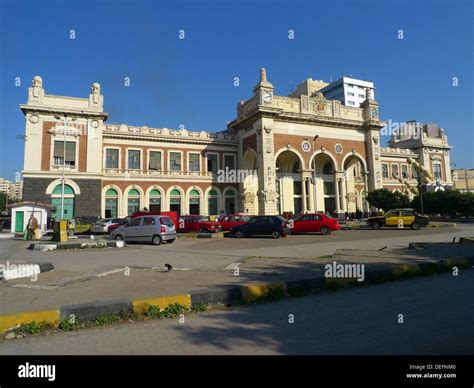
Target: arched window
(175, 201)
(194, 203)
(212, 201)
(133, 201)
(155, 201)
(57, 201)
(229, 202)
(327, 169)
(111, 203)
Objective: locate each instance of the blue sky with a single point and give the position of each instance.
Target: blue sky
(190, 81)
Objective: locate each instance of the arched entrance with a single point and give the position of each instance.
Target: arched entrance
(111, 203)
(194, 202)
(155, 201)
(324, 191)
(133, 204)
(56, 202)
(229, 198)
(289, 185)
(353, 183)
(212, 202)
(175, 201)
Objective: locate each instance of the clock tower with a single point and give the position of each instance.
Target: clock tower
(263, 91)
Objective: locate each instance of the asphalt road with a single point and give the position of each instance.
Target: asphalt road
(438, 315)
(218, 253)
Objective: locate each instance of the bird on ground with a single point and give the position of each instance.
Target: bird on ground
(169, 267)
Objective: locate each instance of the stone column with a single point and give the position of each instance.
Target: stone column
(303, 192)
(311, 196)
(343, 195)
(338, 203)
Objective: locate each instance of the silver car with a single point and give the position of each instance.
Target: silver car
(152, 228)
(102, 226)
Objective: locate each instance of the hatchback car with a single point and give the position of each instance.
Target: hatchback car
(274, 226)
(154, 229)
(314, 223)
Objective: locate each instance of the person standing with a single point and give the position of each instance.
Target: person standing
(31, 227)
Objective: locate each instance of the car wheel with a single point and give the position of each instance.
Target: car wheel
(376, 225)
(276, 234)
(204, 230)
(118, 237)
(171, 241)
(415, 226)
(239, 234)
(325, 230)
(156, 240)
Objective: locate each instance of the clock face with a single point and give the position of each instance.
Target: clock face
(306, 146)
(267, 97)
(375, 112)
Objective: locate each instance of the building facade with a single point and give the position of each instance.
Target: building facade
(280, 154)
(14, 190)
(350, 91)
(463, 180)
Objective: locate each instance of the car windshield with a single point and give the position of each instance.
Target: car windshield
(201, 218)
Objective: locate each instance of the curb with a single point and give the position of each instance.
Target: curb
(245, 293)
(25, 270)
(6, 235)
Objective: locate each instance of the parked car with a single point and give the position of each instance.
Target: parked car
(102, 226)
(228, 221)
(123, 221)
(314, 223)
(151, 228)
(274, 226)
(399, 218)
(201, 224)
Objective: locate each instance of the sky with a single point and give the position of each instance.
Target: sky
(190, 81)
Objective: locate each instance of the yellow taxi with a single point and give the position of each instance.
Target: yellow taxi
(399, 218)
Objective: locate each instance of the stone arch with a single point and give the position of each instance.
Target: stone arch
(289, 154)
(119, 200)
(171, 205)
(148, 196)
(69, 182)
(207, 198)
(188, 197)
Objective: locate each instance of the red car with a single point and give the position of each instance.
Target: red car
(228, 221)
(200, 224)
(123, 221)
(314, 223)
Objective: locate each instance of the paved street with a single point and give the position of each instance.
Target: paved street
(438, 319)
(218, 253)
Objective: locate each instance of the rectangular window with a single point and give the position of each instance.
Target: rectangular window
(212, 163)
(134, 160)
(194, 162)
(351, 102)
(175, 161)
(111, 158)
(350, 94)
(385, 170)
(414, 172)
(58, 154)
(154, 163)
(395, 173)
(404, 171)
(229, 162)
(362, 95)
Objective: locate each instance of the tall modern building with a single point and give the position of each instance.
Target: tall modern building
(14, 190)
(305, 152)
(350, 91)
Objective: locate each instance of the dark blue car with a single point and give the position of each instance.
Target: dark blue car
(274, 226)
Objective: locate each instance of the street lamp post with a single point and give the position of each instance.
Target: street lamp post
(314, 174)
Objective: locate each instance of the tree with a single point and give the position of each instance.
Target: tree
(385, 199)
(3, 201)
(450, 203)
